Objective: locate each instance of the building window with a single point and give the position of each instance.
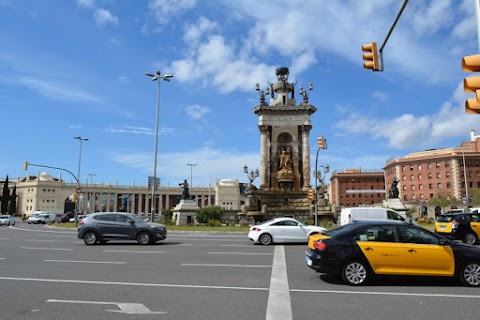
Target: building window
(421, 195)
(420, 187)
(437, 164)
(412, 187)
(411, 167)
(404, 187)
(430, 186)
(439, 175)
(403, 168)
(447, 163)
(429, 166)
(439, 186)
(447, 174)
(419, 177)
(429, 176)
(411, 177)
(413, 196)
(419, 166)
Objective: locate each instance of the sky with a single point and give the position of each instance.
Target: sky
(76, 68)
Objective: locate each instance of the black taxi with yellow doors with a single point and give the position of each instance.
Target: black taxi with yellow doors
(360, 250)
(459, 226)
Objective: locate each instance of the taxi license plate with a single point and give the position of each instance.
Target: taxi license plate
(308, 261)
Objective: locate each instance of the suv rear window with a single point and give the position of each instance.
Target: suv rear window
(445, 218)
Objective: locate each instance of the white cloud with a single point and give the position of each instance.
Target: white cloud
(163, 10)
(408, 130)
(139, 130)
(86, 3)
(197, 112)
(381, 96)
(57, 91)
(194, 32)
(103, 17)
(432, 16)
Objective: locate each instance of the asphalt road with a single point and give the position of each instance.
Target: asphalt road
(48, 273)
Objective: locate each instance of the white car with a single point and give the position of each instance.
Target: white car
(80, 218)
(7, 220)
(36, 218)
(282, 230)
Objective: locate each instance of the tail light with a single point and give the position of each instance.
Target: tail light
(319, 245)
(256, 229)
(455, 224)
(81, 222)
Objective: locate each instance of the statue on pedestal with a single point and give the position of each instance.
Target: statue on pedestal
(185, 193)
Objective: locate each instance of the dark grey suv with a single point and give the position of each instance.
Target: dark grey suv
(104, 226)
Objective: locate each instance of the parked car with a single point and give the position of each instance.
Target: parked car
(104, 226)
(79, 217)
(350, 214)
(361, 250)
(282, 230)
(36, 218)
(459, 226)
(50, 217)
(65, 217)
(7, 220)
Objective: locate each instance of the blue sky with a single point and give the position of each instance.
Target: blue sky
(77, 68)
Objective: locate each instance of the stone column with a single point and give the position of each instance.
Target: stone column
(306, 156)
(264, 155)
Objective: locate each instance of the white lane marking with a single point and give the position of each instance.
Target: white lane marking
(2, 258)
(225, 265)
(37, 240)
(129, 308)
(241, 253)
(78, 261)
(440, 295)
(279, 305)
(133, 251)
(45, 231)
(239, 245)
(54, 249)
(139, 284)
(4, 239)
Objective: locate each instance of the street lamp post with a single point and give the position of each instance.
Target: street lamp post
(191, 165)
(90, 198)
(156, 77)
(77, 204)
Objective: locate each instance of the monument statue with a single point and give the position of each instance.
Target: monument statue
(185, 193)
(286, 164)
(393, 194)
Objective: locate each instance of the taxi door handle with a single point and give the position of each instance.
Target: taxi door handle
(412, 250)
(369, 249)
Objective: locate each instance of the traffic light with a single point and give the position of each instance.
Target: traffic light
(472, 84)
(25, 165)
(322, 143)
(311, 194)
(371, 57)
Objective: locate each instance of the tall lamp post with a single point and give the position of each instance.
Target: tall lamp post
(191, 165)
(156, 77)
(77, 204)
(90, 199)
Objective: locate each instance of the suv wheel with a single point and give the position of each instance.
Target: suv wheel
(90, 238)
(143, 238)
(470, 238)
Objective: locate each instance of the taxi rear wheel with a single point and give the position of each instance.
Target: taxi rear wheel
(470, 238)
(355, 273)
(470, 274)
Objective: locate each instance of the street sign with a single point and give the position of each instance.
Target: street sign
(79, 190)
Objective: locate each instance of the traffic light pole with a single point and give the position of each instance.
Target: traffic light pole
(25, 166)
(316, 188)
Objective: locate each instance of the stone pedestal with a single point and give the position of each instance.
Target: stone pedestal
(395, 204)
(184, 212)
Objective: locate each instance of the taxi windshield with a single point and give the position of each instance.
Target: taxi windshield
(445, 218)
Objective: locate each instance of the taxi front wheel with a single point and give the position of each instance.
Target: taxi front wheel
(355, 273)
(470, 274)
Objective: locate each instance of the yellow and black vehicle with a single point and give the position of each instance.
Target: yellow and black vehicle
(358, 251)
(459, 226)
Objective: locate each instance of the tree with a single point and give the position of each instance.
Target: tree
(5, 197)
(443, 200)
(210, 213)
(12, 207)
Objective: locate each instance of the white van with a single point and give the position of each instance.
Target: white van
(50, 217)
(348, 215)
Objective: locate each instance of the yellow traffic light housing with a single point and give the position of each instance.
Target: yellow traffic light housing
(25, 165)
(371, 56)
(472, 84)
(322, 143)
(311, 194)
